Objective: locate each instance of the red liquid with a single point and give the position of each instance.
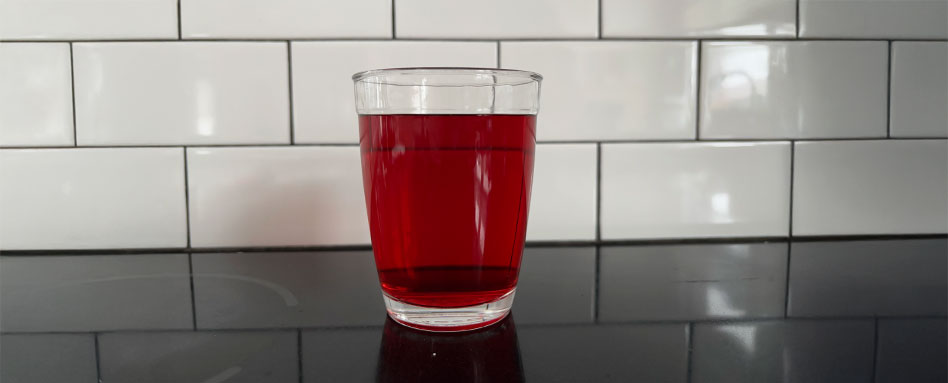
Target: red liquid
(447, 197)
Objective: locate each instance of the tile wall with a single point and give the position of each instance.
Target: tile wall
(229, 124)
(699, 165)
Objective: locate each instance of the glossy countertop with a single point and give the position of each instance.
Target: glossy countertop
(759, 311)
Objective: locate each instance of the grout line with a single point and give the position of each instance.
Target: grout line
(187, 198)
(599, 192)
(691, 350)
(599, 11)
(717, 321)
(786, 292)
(498, 54)
(793, 150)
(359, 39)
(393, 19)
(193, 302)
(888, 96)
(179, 19)
(98, 362)
(598, 269)
(299, 354)
(698, 92)
(289, 78)
(531, 244)
(72, 81)
(875, 350)
(797, 32)
(786, 286)
(355, 144)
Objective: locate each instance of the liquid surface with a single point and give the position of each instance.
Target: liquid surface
(447, 197)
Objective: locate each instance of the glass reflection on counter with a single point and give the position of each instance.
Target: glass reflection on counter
(490, 354)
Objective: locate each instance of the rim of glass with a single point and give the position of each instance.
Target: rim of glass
(510, 75)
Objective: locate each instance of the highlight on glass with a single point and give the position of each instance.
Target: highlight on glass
(447, 167)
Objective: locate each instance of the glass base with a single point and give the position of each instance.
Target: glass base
(449, 319)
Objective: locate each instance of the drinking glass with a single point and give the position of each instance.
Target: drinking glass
(447, 167)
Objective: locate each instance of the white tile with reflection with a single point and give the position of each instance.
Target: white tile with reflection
(182, 93)
(870, 187)
(563, 200)
(276, 196)
(286, 19)
(496, 19)
(611, 90)
(695, 190)
(794, 89)
(88, 19)
(699, 18)
(35, 94)
(919, 89)
(92, 198)
(881, 19)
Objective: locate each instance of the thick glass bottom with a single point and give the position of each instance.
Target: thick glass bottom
(449, 319)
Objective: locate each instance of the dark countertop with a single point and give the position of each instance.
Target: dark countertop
(818, 311)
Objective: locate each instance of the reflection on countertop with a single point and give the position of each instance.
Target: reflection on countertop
(761, 311)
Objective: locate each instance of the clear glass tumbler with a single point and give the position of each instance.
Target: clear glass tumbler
(447, 167)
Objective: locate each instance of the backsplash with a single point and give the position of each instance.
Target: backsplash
(158, 124)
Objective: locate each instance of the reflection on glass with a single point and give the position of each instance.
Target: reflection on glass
(490, 354)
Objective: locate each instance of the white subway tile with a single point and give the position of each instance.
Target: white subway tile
(563, 202)
(35, 94)
(874, 18)
(181, 93)
(490, 19)
(695, 190)
(698, 18)
(919, 89)
(92, 198)
(324, 111)
(870, 187)
(611, 90)
(286, 19)
(812, 89)
(88, 19)
(277, 196)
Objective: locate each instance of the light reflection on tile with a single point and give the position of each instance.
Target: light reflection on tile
(689, 282)
(783, 351)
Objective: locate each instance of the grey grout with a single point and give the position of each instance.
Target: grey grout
(179, 20)
(498, 55)
(875, 350)
(598, 192)
(599, 14)
(289, 79)
(299, 354)
(698, 63)
(355, 144)
(888, 96)
(525, 325)
(193, 302)
(786, 292)
(393, 19)
(72, 84)
(565, 39)
(797, 21)
(529, 244)
(187, 198)
(98, 358)
(597, 278)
